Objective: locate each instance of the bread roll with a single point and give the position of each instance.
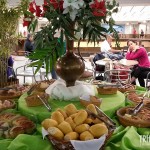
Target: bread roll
(80, 117)
(57, 116)
(71, 136)
(89, 121)
(49, 123)
(91, 107)
(55, 132)
(84, 136)
(96, 120)
(62, 112)
(65, 127)
(81, 128)
(73, 115)
(70, 109)
(71, 122)
(98, 130)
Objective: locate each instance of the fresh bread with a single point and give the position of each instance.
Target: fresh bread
(57, 116)
(55, 132)
(96, 120)
(62, 112)
(15, 131)
(65, 127)
(98, 130)
(91, 107)
(49, 123)
(80, 117)
(84, 136)
(81, 128)
(89, 120)
(71, 136)
(71, 122)
(70, 109)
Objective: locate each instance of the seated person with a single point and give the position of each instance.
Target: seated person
(136, 52)
(109, 51)
(29, 45)
(10, 70)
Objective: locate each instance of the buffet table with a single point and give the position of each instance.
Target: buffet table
(122, 139)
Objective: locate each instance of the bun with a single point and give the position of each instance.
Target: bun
(80, 117)
(71, 136)
(86, 136)
(49, 123)
(62, 112)
(15, 131)
(81, 128)
(70, 109)
(57, 116)
(98, 130)
(91, 107)
(55, 132)
(65, 127)
(71, 122)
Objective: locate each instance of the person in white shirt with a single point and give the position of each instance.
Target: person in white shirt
(107, 50)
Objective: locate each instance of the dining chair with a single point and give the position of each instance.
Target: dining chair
(28, 71)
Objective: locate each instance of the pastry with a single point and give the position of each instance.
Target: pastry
(71, 122)
(81, 128)
(71, 136)
(49, 123)
(15, 131)
(91, 107)
(62, 112)
(57, 116)
(84, 136)
(65, 127)
(55, 132)
(70, 109)
(98, 130)
(80, 117)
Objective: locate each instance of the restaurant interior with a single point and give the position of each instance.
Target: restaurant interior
(85, 97)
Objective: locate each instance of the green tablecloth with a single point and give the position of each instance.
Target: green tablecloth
(123, 138)
(110, 103)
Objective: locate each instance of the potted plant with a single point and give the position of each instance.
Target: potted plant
(9, 20)
(71, 17)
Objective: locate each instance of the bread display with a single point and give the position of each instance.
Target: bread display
(136, 98)
(32, 100)
(127, 87)
(11, 125)
(78, 124)
(85, 100)
(141, 119)
(6, 104)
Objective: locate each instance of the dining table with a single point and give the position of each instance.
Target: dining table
(122, 138)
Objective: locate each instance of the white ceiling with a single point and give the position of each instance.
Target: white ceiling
(129, 10)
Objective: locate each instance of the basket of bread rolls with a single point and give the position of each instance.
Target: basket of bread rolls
(70, 128)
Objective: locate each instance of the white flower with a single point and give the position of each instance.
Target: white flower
(72, 7)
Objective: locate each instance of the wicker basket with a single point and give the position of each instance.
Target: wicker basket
(4, 84)
(13, 104)
(127, 88)
(11, 96)
(33, 100)
(93, 100)
(128, 121)
(107, 90)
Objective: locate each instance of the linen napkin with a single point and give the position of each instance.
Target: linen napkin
(58, 90)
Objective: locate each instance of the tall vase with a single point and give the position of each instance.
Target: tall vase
(70, 67)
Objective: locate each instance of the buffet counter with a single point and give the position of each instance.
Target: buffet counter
(122, 139)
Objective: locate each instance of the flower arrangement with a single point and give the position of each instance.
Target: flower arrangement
(76, 19)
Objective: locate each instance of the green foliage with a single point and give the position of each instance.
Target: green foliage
(8, 24)
(48, 49)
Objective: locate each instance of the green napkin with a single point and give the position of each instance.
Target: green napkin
(29, 142)
(128, 139)
(4, 144)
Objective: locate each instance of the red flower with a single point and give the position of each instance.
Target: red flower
(99, 8)
(38, 11)
(57, 4)
(32, 6)
(26, 23)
